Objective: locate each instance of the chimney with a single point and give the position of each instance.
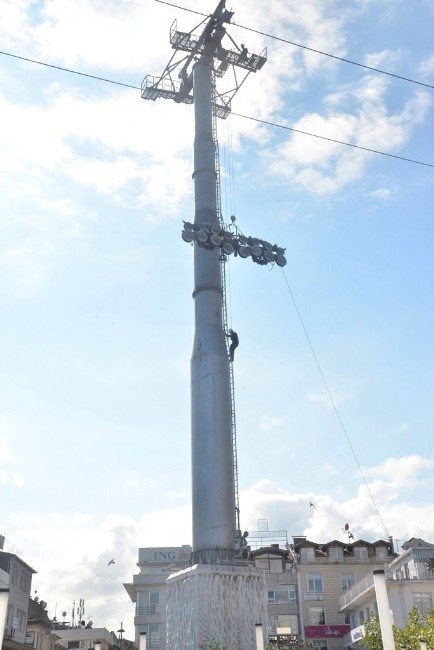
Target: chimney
(2, 541)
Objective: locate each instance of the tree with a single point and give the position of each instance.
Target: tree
(419, 627)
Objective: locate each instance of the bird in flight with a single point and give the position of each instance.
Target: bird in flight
(311, 504)
(111, 562)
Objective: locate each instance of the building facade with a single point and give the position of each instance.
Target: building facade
(148, 590)
(409, 582)
(84, 638)
(324, 573)
(304, 582)
(19, 583)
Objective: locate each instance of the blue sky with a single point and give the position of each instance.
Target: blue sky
(96, 283)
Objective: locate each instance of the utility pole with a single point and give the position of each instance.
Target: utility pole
(205, 58)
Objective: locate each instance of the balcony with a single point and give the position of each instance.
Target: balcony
(149, 614)
(361, 587)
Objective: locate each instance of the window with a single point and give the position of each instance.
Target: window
(73, 644)
(423, 602)
(14, 576)
(282, 595)
(361, 554)
(316, 615)
(25, 582)
(154, 597)
(270, 564)
(336, 554)
(361, 617)
(10, 615)
(21, 616)
(314, 582)
(153, 636)
(307, 554)
(347, 581)
(319, 644)
(381, 552)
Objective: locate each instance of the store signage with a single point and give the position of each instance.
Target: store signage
(326, 631)
(283, 639)
(357, 633)
(164, 554)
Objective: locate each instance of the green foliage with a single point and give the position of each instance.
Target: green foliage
(372, 639)
(419, 627)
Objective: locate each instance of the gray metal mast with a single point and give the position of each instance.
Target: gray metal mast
(213, 481)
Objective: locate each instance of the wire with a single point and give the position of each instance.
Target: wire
(246, 117)
(333, 403)
(309, 49)
(323, 137)
(58, 67)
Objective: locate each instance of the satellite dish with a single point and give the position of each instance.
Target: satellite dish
(63, 614)
(347, 526)
(256, 250)
(244, 252)
(233, 218)
(228, 248)
(216, 240)
(269, 256)
(280, 260)
(36, 599)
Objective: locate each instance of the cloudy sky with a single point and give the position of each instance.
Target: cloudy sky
(95, 283)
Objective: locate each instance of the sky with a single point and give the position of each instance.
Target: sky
(96, 322)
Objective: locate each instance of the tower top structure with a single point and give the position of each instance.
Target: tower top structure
(176, 80)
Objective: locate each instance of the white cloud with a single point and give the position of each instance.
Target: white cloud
(356, 114)
(324, 399)
(401, 471)
(392, 480)
(269, 422)
(381, 193)
(8, 475)
(384, 59)
(426, 68)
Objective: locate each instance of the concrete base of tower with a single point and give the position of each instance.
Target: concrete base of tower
(215, 604)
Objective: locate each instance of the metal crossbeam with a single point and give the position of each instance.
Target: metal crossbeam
(207, 45)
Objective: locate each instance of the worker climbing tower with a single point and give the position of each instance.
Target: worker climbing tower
(220, 598)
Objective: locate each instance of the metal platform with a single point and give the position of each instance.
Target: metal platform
(188, 42)
(154, 87)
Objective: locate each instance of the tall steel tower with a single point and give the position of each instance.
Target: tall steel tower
(204, 58)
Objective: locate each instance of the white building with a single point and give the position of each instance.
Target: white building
(148, 590)
(409, 582)
(83, 638)
(19, 579)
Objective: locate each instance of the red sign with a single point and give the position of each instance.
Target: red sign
(326, 631)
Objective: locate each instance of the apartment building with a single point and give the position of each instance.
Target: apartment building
(19, 583)
(303, 580)
(324, 573)
(148, 590)
(39, 634)
(409, 582)
(84, 637)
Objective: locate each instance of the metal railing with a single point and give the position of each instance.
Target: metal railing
(149, 610)
(362, 586)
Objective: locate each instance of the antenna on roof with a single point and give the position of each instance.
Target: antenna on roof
(346, 529)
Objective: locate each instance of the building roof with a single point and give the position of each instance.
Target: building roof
(5, 559)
